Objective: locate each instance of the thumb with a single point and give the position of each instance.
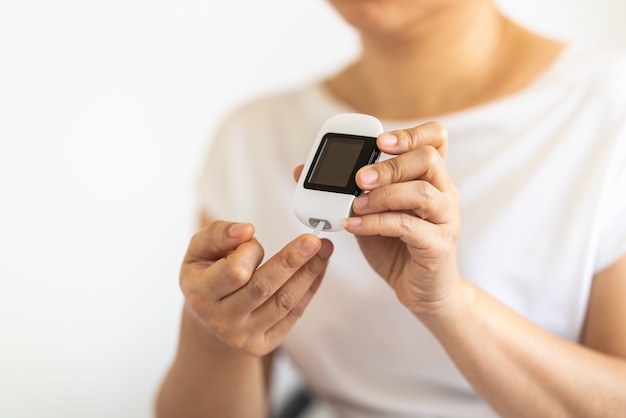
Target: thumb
(297, 172)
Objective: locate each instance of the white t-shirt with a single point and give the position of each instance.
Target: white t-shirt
(542, 181)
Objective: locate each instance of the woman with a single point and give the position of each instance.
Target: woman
(489, 265)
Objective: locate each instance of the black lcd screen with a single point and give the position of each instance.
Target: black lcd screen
(337, 160)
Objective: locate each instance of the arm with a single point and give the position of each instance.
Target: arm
(518, 368)
(235, 314)
(208, 378)
(524, 371)
(188, 389)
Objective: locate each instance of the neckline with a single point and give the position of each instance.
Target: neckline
(563, 59)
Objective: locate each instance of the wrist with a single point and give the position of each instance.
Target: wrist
(452, 310)
(194, 333)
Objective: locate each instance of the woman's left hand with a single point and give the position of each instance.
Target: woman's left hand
(408, 222)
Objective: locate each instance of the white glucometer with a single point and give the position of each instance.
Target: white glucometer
(327, 185)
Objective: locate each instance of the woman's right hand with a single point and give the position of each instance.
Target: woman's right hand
(241, 304)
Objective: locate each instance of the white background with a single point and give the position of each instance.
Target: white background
(106, 110)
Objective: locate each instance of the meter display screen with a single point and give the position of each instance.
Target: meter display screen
(337, 160)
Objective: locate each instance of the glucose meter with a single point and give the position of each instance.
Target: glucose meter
(327, 185)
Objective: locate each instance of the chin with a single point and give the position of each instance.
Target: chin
(385, 16)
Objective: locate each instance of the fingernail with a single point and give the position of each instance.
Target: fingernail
(369, 176)
(326, 251)
(388, 140)
(237, 230)
(309, 246)
(352, 222)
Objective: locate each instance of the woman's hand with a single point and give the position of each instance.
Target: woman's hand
(408, 222)
(240, 304)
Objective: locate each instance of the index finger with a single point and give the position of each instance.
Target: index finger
(276, 271)
(433, 134)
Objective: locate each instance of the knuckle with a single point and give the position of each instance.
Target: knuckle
(431, 155)
(393, 169)
(414, 137)
(259, 289)
(289, 261)
(237, 273)
(286, 301)
(239, 341)
(313, 268)
(424, 134)
(426, 194)
(218, 327)
(215, 229)
(205, 233)
(440, 130)
(378, 221)
(422, 213)
(297, 311)
(408, 223)
(426, 190)
(381, 196)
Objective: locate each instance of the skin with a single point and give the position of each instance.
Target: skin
(421, 58)
(236, 311)
(412, 211)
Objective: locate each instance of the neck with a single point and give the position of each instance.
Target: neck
(441, 66)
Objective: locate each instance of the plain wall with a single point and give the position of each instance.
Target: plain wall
(106, 110)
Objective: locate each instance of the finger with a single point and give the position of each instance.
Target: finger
(281, 328)
(259, 341)
(289, 296)
(424, 163)
(414, 231)
(208, 273)
(204, 284)
(433, 134)
(286, 306)
(297, 172)
(419, 197)
(217, 240)
(275, 272)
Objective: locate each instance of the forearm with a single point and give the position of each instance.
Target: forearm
(522, 370)
(207, 379)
